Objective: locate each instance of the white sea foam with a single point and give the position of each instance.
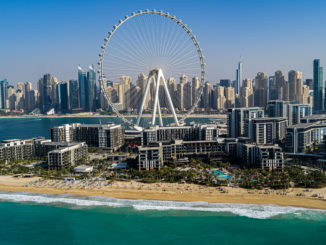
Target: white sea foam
(247, 210)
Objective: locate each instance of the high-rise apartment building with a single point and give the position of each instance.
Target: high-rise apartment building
(238, 83)
(206, 96)
(295, 86)
(230, 97)
(219, 99)
(246, 94)
(261, 90)
(195, 89)
(47, 89)
(82, 82)
(63, 97)
(318, 87)
(124, 92)
(73, 94)
(91, 89)
(3, 94)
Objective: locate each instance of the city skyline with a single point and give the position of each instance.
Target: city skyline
(62, 41)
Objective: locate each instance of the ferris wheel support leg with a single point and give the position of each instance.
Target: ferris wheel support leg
(157, 88)
(159, 114)
(170, 102)
(140, 113)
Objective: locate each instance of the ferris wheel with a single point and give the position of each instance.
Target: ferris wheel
(141, 61)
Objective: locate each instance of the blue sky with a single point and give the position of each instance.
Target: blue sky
(54, 37)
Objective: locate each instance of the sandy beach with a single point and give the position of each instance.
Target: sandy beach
(315, 198)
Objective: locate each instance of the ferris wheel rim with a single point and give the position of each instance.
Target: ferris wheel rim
(189, 33)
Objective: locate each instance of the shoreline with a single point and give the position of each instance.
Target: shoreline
(168, 192)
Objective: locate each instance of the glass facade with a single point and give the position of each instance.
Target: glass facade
(82, 81)
(318, 87)
(3, 94)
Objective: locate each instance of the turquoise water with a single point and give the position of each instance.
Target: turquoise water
(23, 128)
(48, 219)
(220, 175)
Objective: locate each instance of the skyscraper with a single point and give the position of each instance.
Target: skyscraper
(206, 96)
(124, 92)
(219, 97)
(82, 82)
(63, 97)
(47, 89)
(295, 86)
(246, 94)
(279, 89)
(238, 78)
(195, 89)
(261, 89)
(318, 87)
(73, 94)
(3, 94)
(91, 89)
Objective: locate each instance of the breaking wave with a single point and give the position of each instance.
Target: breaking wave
(247, 210)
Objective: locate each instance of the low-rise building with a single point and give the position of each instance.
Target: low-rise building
(267, 157)
(186, 133)
(16, 149)
(268, 130)
(106, 136)
(262, 156)
(67, 156)
(150, 157)
(300, 137)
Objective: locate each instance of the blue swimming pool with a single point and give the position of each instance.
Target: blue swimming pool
(220, 175)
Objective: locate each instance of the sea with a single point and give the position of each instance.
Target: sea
(30, 218)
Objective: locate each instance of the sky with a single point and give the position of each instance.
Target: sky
(38, 37)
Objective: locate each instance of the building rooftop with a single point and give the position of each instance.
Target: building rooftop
(307, 125)
(262, 119)
(316, 116)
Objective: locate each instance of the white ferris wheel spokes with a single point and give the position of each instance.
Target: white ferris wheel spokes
(154, 43)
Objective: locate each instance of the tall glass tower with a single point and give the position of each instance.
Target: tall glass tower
(3, 93)
(318, 87)
(238, 78)
(82, 82)
(91, 87)
(73, 94)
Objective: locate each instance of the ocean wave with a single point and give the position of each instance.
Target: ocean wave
(247, 210)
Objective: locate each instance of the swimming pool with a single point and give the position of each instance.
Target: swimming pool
(220, 175)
